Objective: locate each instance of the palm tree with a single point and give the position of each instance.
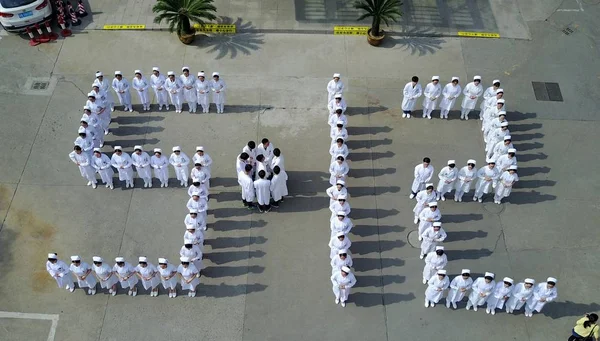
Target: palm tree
(180, 13)
(381, 10)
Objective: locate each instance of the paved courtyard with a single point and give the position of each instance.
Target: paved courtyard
(266, 276)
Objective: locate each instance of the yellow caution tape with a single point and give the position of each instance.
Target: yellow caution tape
(124, 27)
(479, 34)
(215, 28)
(350, 30)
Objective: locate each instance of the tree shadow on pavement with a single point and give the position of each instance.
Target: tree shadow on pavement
(231, 44)
(416, 41)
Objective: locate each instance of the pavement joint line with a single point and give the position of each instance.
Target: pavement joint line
(32, 316)
(385, 317)
(324, 32)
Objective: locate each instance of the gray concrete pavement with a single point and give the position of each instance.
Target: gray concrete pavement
(266, 275)
(421, 17)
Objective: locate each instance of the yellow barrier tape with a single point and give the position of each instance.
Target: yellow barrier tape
(479, 34)
(124, 27)
(215, 28)
(350, 30)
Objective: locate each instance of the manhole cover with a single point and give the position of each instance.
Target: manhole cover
(567, 30)
(493, 208)
(39, 85)
(413, 239)
(545, 91)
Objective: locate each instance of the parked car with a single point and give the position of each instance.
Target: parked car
(16, 15)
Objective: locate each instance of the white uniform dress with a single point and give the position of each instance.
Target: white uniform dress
(338, 171)
(141, 85)
(262, 188)
(541, 291)
(168, 276)
(199, 222)
(338, 280)
(105, 275)
(487, 94)
(455, 294)
(205, 160)
(200, 205)
(202, 93)
(161, 168)
(480, 287)
(336, 207)
(121, 87)
(336, 150)
(484, 186)
(336, 133)
(180, 165)
(449, 95)
(423, 199)
(505, 184)
(247, 185)
(86, 144)
(422, 176)
(279, 186)
(187, 274)
(89, 281)
(142, 165)
(433, 293)
(431, 238)
(411, 93)
(189, 95)
(61, 274)
(195, 255)
(468, 103)
(336, 245)
(495, 300)
(334, 119)
(126, 275)
(447, 181)
(344, 226)
(466, 177)
(505, 161)
(428, 214)
(333, 88)
(333, 193)
(174, 88)
(158, 85)
(334, 105)
(218, 97)
(86, 170)
(337, 263)
(202, 191)
(433, 263)
(123, 160)
(151, 272)
(430, 96)
(493, 137)
(105, 86)
(501, 149)
(519, 297)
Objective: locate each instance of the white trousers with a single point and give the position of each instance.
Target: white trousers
(144, 98)
(464, 113)
(341, 294)
(161, 97)
(427, 113)
(443, 113)
(176, 100)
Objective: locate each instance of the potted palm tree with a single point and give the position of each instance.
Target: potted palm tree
(180, 14)
(380, 10)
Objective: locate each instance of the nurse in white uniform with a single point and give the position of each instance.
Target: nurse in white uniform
(105, 274)
(435, 288)
(60, 272)
(149, 275)
(84, 275)
(168, 276)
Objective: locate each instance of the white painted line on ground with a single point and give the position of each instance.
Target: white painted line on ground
(580, 5)
(30, 316)
(568, 10)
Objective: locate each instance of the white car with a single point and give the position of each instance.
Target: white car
(16, 15)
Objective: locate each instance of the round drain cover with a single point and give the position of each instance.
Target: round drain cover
(413, 239)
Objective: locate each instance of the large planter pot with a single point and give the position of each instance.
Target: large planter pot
(187, 38)
(374, 40)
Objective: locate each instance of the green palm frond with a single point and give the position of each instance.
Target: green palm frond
(179, 14)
